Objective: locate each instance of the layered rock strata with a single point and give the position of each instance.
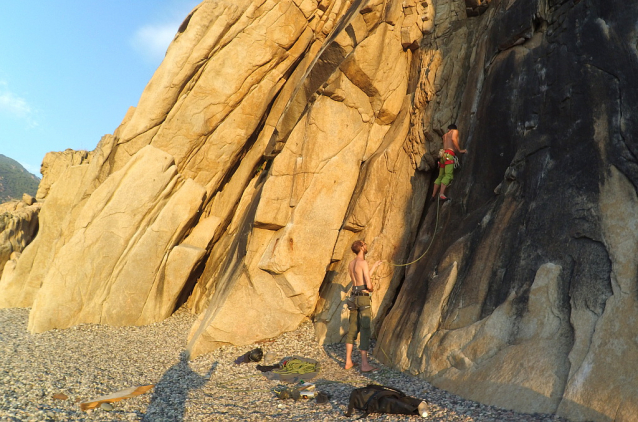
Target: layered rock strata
(277, 132)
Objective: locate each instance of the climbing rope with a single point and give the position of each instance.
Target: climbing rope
(296, 366)
(436, 225)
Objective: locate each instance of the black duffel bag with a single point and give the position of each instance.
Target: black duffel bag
(380, 399)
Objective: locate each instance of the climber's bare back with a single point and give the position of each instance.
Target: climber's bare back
(356, 270)
(449, 138)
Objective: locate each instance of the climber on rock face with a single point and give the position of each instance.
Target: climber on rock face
(447, 157)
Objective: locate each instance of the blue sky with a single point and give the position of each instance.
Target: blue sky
(70, 69)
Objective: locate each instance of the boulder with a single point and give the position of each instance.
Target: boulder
(63, 202)
(18, 228)
(53, 166)
(121, 246)
(9, 268)
(28, 199)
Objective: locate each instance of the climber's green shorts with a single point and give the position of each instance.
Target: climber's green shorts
(360, 315)
(446, 174)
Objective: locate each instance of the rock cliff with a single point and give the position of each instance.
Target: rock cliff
(275, 133)
(520, 301)
(18, 227)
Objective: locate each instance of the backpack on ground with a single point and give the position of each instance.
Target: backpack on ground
(380, 399)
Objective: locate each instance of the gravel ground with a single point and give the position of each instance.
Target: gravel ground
(90, 360)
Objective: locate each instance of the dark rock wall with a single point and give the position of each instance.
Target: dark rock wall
(553, 91)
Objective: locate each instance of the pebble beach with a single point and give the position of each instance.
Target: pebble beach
(44, 377)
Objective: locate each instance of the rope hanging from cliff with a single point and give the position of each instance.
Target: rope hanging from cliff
(436, 225)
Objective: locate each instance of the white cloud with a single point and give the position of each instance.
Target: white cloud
(15, 106)
(153, 40)
(12, 104)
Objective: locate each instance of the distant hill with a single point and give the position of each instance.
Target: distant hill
(15, 180)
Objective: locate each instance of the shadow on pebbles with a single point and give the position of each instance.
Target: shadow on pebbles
(88, 361)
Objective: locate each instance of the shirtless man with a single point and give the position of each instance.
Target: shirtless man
(446, 162)
(359, 305)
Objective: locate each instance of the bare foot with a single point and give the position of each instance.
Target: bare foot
(368, 368)
(349, 365)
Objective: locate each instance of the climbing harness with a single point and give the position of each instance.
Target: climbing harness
(447, 156)
(351, 302)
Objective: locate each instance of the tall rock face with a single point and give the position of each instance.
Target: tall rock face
(275, 133)
(240, 176)
(532, 273)
(21, 279)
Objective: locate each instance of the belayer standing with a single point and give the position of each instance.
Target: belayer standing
(446, 161)
(359, 305)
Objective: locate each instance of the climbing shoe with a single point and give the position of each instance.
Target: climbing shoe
(254, 355)
(322, 398)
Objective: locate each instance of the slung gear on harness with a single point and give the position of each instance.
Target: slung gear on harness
(447, 156)
(354, 293)
(351, 304)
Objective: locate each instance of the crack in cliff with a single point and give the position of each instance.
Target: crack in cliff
(344, 21)
(342, 147)
(224, 41)
(260, 170)
(229, 269)
(121, 141)
(198, 66)
(608, 73)
(236, 103)
(631, 156)
(575, 302)
(147, 220)
(190, 80)
(157, 285)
